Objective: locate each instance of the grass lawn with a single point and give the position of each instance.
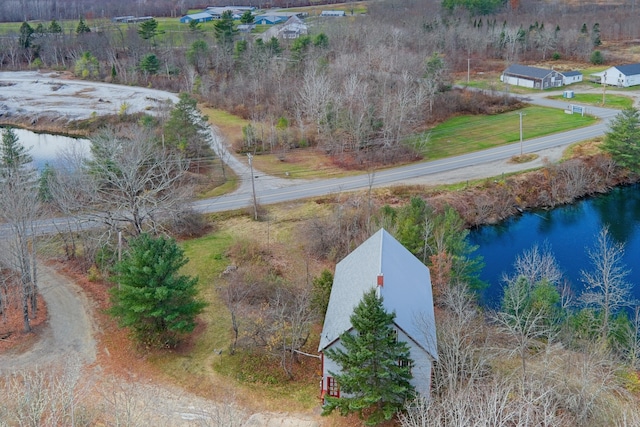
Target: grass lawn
(472, 133)
(207, 367)
(611, 101)
(297, 163)
(355, 8)
(229, 124)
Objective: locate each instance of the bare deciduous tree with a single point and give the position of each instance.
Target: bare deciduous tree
(537, 264)
(19, 209)
(129, 182)
(460, 330)
(606, 285)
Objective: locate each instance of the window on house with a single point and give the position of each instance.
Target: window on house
(405, 363)
(333, 389)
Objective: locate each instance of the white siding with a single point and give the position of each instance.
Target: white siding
(516, 81)
(615, 78)
(633, 80)
(421, 370)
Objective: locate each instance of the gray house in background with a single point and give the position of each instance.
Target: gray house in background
(404, 283)
(532, 77)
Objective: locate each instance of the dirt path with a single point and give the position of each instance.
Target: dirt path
(69, 333)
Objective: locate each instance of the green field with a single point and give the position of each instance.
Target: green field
(466, 134)
(611, 101)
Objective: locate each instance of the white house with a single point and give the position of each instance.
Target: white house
(333, 13)
(621, 75)
(570, 77)
(293, 28)
(532, 77)
(404, 283)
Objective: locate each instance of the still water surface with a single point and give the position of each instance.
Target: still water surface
(46, 148)
(568, 230)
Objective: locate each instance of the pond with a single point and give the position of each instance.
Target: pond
(568, 231)
(45, 148)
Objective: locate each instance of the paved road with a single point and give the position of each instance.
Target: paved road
(269, 194)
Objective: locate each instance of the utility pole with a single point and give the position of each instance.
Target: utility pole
(468, 69)
(253, 187)
(604, 87)
(520, 113)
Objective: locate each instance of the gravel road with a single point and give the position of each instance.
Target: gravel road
(69, 333)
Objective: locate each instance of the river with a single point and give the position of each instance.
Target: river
(568, 231)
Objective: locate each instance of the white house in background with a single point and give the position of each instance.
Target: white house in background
(404, 283)
(621, 75)
(293, 28)
(570, 77)
(333, 13)
(532, 77)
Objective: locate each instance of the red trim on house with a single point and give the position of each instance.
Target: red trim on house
(380, 280)
(333, 388)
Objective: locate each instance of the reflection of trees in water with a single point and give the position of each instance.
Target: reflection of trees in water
(569, 229)
(620, 210)
(488, 234)
(562, 217)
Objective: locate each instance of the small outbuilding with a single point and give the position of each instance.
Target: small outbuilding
(570, 77)
(532, 77)
(404, 283)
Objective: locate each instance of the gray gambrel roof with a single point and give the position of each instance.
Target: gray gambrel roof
(629, 69)
(406, 290)
(525, 71)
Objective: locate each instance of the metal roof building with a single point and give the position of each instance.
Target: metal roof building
(403, 282)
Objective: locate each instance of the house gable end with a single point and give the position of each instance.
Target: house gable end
(406, 290)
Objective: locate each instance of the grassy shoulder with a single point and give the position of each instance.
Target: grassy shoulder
(610, 101)
(455, 136)
(465, 134)
(297, 163)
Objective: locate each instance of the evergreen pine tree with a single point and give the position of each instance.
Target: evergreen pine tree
(187, 128)
(375, 366)
(224, 28)
(26, 31)
(82, 27)
(151, 298)
(623, 139)
(14, 157)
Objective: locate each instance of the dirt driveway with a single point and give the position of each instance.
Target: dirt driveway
(69, 334)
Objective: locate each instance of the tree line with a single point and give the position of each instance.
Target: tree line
(354, 88)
